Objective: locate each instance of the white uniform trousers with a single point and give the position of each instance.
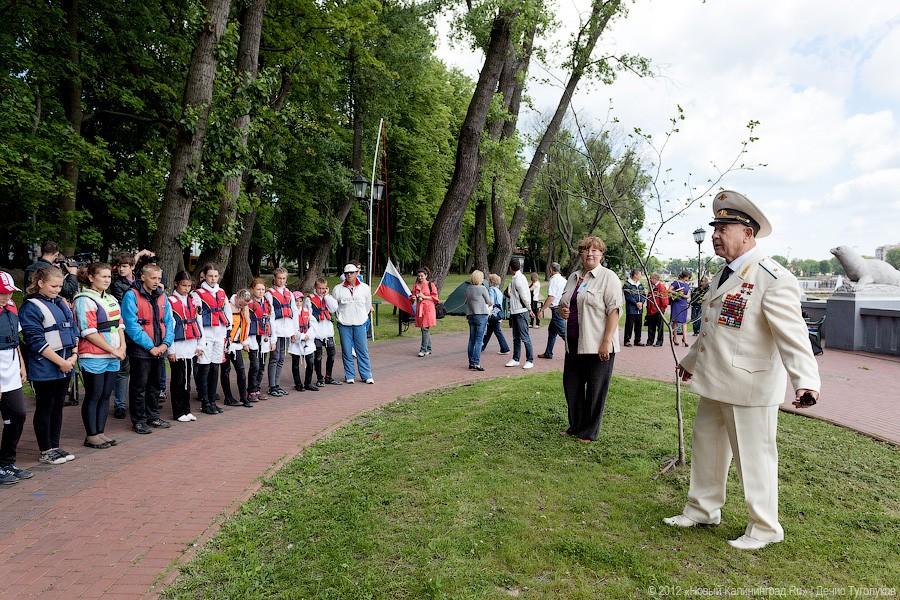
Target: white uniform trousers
(748, 433)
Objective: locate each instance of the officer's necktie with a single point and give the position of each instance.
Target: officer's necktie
(726, 273)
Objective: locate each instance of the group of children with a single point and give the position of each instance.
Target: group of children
(200, 330)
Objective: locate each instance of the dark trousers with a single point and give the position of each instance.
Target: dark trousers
(557, 329)
(494, 327)
(326, 345)
(519, 325)
(633, 324)
(143, 389)
(655, 327)
(49, 397)
(586, 383)
(536, 309)
(235, 359)
(95, 408)
(695, 318)
(180, 386)
(256, 369)
(12, 409)
(207, 379)
(295, 369)
(276, 360)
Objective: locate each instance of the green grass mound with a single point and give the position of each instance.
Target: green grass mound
(472, 493)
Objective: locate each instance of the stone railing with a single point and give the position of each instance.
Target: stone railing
(880, 330)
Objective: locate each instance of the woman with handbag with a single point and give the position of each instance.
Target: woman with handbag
(425, 297)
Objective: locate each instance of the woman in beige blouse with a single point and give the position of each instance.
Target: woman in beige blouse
(590, 302)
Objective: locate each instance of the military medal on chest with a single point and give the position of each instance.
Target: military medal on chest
(734, 305)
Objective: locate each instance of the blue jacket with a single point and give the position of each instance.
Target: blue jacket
(139, 343)
(32, 321)
(634, 293)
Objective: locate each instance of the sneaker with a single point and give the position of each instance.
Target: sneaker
(7, 478)
(119, 413)
(528, 365)
(512, 363)
(428, 353)
(141, 428)
(273, 391)
(349, 381)
(191, 417)
(158, 423)
(320, 383)
(184, 419)
(20, 473)
(370, 381)
(627, 344)
(503, 352)
(162, 396)
(52, 457)
(331, 381)
(299, 387)
(66, 454)
(231, 402)
(420, 354)
(477, 368)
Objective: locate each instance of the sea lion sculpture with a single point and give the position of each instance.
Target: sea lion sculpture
(865, 272)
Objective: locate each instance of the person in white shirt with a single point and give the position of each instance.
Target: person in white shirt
(354, 303)
(12, 377)
(216, 322)
(519, 311)
(323, 306)
(283, 310)
(557, 328)
(535, 289)
(186, 348)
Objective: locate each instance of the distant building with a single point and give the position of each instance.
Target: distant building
(881, 251)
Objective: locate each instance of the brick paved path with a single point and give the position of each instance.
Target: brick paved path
(115, 523)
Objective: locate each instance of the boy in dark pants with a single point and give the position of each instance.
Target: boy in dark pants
(323, 306)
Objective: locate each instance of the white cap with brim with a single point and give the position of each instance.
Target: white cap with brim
(732, 207)
(350, 268)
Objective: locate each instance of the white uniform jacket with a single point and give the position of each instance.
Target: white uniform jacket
(752, 332)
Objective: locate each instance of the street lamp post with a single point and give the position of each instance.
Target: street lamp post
(699, 236)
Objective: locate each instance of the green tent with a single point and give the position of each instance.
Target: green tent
(456, 302)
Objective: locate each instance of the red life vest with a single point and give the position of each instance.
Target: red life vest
(145, 314)
(282, 303)
(186, 327)
(259, 319)
(320, 309)
(213, 309)
(9, 326)
(303, 319)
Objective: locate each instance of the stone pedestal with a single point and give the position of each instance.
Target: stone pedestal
(864, 320)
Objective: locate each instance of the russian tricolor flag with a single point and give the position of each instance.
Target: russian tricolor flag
(393, 289)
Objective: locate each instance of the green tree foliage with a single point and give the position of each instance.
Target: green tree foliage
(892, 257)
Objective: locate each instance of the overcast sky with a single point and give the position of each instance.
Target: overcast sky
(823, 79)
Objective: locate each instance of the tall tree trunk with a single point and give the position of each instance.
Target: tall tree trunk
(71, 89)
(240, 273)
(251, 20)
(186, 155)
(480, 244)
(325, 243)
(445, 231)
(601, 12)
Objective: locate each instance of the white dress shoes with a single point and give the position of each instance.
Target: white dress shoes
(683, 521)
(745, 542)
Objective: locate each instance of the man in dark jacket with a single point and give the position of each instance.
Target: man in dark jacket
(49, 257)
(635, 297)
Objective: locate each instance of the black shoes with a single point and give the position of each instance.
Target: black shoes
(549, 356)
(331, 381)
(231, 402)
(476, 368)
(158, 423)
(142, 428)
(640, 344)
(208, 410)
(311, 388)
(119, 413)
(247, 403)
(299, 387)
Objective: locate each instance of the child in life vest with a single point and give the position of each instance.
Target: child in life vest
(51, 340)
(284, 327)
(238, 341)
(216, 321)
(186, 348)
(323, 306)
(12, 378)
(259, 338)
(101, 349)
(304, 345)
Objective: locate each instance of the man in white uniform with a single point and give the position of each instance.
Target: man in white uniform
(752, 333)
